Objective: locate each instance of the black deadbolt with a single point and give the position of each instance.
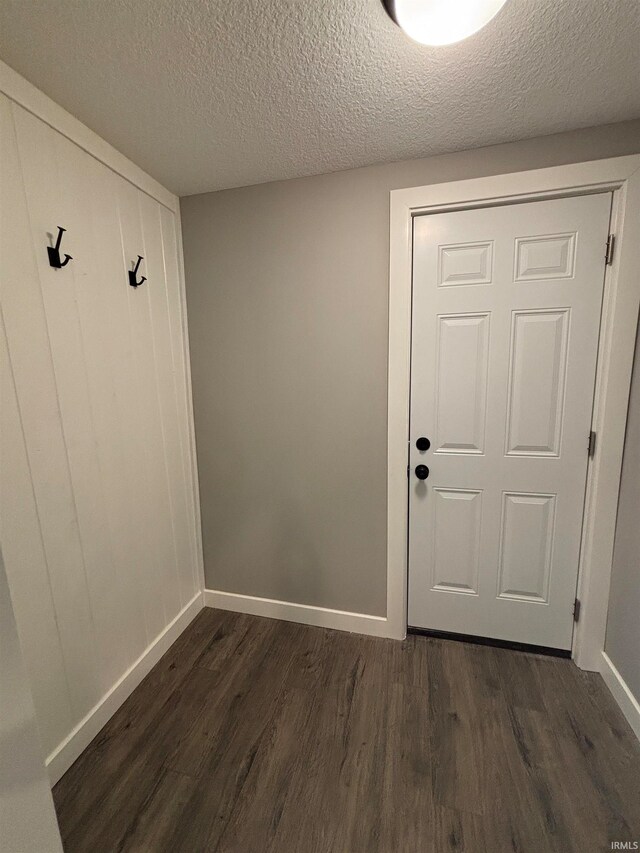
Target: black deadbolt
(423, 443)
(422, 472)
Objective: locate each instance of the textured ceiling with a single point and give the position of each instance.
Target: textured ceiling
(206, 95)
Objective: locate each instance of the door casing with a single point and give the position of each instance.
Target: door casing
(620, 175)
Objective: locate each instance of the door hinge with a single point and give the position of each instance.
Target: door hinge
(591, 447)
(611, 241)
(576, 610)
(408, 469)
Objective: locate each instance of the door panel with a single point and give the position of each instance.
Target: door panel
(506, 313)
(538, 361)
(526, 544)
(461, 389)
(456, 540)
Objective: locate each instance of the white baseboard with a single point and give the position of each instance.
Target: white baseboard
(66, 753)
(624, 697)
(306, 614)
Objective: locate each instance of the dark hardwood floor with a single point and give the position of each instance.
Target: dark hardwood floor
(255, 735)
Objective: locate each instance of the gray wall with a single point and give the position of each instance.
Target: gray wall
(287, 297)
(623, 624)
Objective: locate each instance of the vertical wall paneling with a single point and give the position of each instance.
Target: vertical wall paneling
(144, 413)
(33, 370)
(98, 507)
(88, 191)
(174, 482)
(24, 547)
(172, 249)
(51, 203)
(30, 590)
(124, 437)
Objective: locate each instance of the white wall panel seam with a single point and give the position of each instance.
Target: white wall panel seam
(37, 512)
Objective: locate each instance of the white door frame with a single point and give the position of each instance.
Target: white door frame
(621, 175)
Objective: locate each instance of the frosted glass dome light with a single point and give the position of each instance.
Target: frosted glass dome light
(438, 22)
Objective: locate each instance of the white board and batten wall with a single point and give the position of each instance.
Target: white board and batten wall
(100, 519)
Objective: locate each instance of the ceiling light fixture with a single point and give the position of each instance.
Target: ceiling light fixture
(438, 22)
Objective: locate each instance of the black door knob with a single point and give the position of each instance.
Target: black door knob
(422, 472)
(423, 443)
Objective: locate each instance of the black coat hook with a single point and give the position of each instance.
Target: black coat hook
(54, 252)
(134, 272)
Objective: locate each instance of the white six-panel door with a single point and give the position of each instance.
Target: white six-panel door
(506, 313)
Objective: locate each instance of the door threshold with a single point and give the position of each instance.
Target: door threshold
(490, 641)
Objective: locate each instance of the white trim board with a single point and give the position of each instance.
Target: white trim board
(620, 175)
(79, 739)
(24, 93)
(306, 614)
(619, 689)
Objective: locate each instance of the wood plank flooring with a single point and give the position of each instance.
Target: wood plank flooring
(261, 736)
